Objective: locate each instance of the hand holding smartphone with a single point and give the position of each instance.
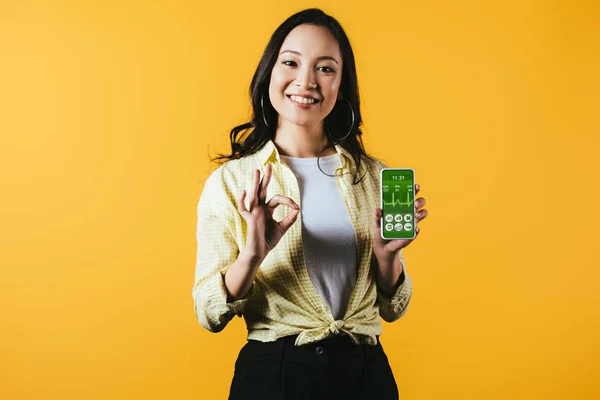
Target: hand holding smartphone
(397, 203)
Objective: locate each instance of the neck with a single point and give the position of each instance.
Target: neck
(301, 141)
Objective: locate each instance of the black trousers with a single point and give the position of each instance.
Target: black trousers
(332, 369)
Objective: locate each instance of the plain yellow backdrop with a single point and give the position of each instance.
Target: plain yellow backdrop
(109, 111)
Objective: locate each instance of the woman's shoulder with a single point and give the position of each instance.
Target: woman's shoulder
(220, 188)
(224, 174)
(229, 177)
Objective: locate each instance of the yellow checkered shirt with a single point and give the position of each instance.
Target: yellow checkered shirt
(282, 300)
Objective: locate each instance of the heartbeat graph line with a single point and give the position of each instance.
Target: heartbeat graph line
(398, 203)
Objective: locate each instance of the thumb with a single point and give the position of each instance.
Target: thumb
(377, 222)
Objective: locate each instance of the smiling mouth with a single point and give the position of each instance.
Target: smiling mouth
(304, 101)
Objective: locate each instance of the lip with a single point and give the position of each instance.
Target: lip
(317, 101)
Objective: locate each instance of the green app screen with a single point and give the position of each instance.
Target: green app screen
(398, 204)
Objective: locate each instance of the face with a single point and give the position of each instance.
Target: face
(306, 76)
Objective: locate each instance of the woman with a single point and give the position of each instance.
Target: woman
(311, 291)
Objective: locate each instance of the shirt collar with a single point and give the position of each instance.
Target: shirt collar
(269, 154)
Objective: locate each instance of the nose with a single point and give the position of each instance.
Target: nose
(306, 78)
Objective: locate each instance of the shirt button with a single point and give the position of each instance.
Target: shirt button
(320, 350)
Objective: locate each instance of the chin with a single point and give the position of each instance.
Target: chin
(302, 121)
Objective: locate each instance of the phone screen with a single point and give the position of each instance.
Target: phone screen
(397, 203)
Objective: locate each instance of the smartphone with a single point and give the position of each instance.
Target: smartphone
(398, 203)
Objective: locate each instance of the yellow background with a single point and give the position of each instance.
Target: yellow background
(109, 110)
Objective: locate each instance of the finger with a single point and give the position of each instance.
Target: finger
(377, 221)
(279, 199)
(265, 183)
(421, 214)
(420, 202)
(288, 220)
(241, 204)
(252, 194)
(417, 188)
(397, 245)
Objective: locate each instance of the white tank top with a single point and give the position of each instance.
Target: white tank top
(327, 232)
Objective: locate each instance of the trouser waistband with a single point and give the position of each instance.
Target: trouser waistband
(339, 347)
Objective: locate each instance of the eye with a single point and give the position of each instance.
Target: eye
(289, 63)
(326, 69)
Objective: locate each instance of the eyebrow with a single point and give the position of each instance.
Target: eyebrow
(318, 58)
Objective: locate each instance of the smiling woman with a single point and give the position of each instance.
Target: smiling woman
(309, 56)
(311, 291)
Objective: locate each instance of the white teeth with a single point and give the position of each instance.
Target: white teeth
(302, 100)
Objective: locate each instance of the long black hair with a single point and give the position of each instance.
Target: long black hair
(336, 124)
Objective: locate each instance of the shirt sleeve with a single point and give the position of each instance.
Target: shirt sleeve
(394, 307)
(216, 251)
